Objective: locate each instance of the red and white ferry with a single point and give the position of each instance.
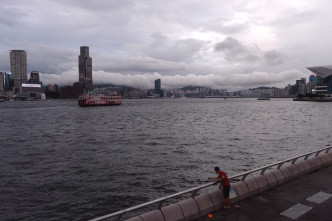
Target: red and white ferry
(86, 100)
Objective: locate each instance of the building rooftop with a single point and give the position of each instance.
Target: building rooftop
(322, 71)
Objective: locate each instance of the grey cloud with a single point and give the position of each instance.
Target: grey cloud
(292, 18)
(136, 64)
(162, 47)
(11, 17)
(223, 28)
(273, 57)
(7, 21)
(235, 51)
(100, 5)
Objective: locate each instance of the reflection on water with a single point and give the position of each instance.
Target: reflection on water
(59, 161)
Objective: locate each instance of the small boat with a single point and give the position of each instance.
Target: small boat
(87, 100)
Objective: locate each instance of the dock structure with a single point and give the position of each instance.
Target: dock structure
(297, 188)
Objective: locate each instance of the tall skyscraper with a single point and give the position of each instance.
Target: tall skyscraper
(18, 66)
(85, 68)
(157, 85)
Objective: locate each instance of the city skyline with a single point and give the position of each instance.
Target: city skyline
(233, 45)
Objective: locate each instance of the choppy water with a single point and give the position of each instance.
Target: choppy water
(62, 162)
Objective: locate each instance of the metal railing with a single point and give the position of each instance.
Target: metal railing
(194, 190)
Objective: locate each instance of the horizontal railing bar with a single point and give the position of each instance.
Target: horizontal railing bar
(201, 187)
(274, 164)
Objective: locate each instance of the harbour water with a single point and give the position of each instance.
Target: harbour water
(62, 162)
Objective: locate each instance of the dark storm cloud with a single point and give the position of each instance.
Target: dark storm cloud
(235, 51)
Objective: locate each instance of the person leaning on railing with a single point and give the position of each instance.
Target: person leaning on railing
(222, 177)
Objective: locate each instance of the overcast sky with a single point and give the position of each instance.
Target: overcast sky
(215, 43)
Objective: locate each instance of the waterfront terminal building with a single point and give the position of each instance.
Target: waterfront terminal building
(324, 78)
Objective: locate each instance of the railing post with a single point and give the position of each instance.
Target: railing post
(293, 161)
(119, 217)
(160, 204)
(263, 170)
(279, 165)
(317, 153)
(306, 157)
(194, 193)
(244, 177)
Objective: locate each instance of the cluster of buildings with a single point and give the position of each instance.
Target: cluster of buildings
(319, 84)
(17, 85)
(301, 87)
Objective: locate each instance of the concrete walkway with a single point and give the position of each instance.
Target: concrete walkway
(306, 198)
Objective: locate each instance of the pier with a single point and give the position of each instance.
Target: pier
(296, 188)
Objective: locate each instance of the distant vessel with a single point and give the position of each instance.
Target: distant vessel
(264, 97)
(86, 100)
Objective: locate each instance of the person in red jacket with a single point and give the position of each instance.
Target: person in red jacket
(222, 177)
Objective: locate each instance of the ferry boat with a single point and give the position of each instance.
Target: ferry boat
(86, 100)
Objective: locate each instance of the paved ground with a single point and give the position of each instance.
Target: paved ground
(285, 202)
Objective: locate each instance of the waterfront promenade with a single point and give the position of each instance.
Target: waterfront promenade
(306, 198)
(295, 189)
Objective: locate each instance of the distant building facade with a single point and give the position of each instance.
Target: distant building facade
(157, 85)
(34, 78)
(31, 88)
(72, 92)
(18, 66)
(2, 81)
(313, 78)
(301, 86)
(157, 88)
(85, 68)
(51, 88)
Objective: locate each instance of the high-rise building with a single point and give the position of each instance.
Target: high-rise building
(157, 88)
(18, 66)
(85, 68)
(2, 81)
(157, 85)
(301, 86)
